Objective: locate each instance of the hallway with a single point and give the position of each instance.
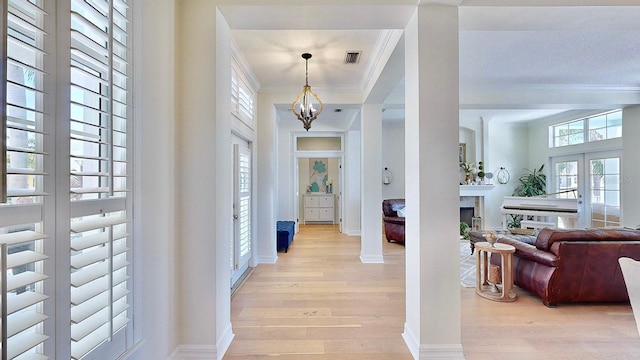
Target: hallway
(320, 302)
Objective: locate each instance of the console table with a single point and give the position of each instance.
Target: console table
(319, 207)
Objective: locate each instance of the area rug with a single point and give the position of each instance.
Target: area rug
(467, 265)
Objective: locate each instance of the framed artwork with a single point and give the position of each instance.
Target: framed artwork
(462, 153)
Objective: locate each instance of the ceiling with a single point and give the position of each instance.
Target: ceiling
(516, 63)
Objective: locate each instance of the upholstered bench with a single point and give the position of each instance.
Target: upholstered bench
(285, 231)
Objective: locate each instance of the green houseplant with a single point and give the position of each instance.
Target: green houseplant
(464, 230)
(533, 183)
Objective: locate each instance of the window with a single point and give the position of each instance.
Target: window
(242, 97)
(599, 127)
(604, 191)
(90, 219)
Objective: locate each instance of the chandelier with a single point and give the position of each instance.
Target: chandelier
(303, 107)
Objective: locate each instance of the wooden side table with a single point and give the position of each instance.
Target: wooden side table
(483, 288)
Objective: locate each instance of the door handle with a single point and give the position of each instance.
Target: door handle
(235, 217)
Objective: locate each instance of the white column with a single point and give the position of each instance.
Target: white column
(204, 163)
(371, 179)
(432, 328)
(630, 170)
(267, 166)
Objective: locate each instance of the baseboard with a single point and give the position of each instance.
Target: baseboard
(266, 259)
(431, 351)
(377, 259)
(410, 340)
(199, 352)
(225, 341)
(441, 352)
(353, 232)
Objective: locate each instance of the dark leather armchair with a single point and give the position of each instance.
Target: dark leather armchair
(393, 224)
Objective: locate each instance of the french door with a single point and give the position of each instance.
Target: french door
(241, 240)
(594, 179)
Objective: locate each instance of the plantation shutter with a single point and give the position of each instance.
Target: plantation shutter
(100, 157)
(244, 213)
(22, 180)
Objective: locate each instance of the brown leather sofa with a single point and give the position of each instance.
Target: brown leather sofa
(574, 265)
(393, 224)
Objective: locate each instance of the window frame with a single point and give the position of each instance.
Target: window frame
(586, 131)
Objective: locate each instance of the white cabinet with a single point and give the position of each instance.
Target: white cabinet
(319, 208)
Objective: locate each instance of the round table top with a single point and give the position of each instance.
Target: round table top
(497, 248)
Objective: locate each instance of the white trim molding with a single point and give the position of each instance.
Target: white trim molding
(194, 352)
(431, 351)
(373, 259)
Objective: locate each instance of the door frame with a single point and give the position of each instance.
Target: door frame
(296, 155)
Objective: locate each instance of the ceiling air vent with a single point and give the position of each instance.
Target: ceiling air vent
(352, 57)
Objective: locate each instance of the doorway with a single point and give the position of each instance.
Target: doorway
(596, 179)
(241, 247)
(319, 190)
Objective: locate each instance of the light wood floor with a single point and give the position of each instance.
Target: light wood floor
(320, 302)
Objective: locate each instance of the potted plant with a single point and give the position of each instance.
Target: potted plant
(533, 183)
(464, 230)
(468, 169)
(481, 171)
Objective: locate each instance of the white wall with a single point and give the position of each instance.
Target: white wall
(157, 311)
(351, 217)
(393, 158)
(506, 147)
(630, 167)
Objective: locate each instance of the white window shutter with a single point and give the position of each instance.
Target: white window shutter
(100, 141)
(22, 179)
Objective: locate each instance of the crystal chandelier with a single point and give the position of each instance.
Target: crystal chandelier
(303, 106)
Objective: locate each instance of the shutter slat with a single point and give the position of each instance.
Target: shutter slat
(24, 45)
(25, 150)
(24, 257)
(81, 348)
(81, 312)
(25, 25)
(89, 274)
(24, 192)
(83, 293)
(87, 190)
(23, 279)
(97, 223)
(84, 276)
(79, 261)
(86, 173)
(21, 237)
(85, 242)
(25, 5)
(23, 300)
(14, 171)
(22, 342)
(81, 330)
(23, 320)
(31, 356)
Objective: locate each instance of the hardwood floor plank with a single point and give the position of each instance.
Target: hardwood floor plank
(319, 302)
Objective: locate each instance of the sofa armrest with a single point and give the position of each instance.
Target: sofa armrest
(530, 252)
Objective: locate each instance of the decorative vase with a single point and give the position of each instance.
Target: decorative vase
(467, 178)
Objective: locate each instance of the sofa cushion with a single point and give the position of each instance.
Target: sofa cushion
(547, 236)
